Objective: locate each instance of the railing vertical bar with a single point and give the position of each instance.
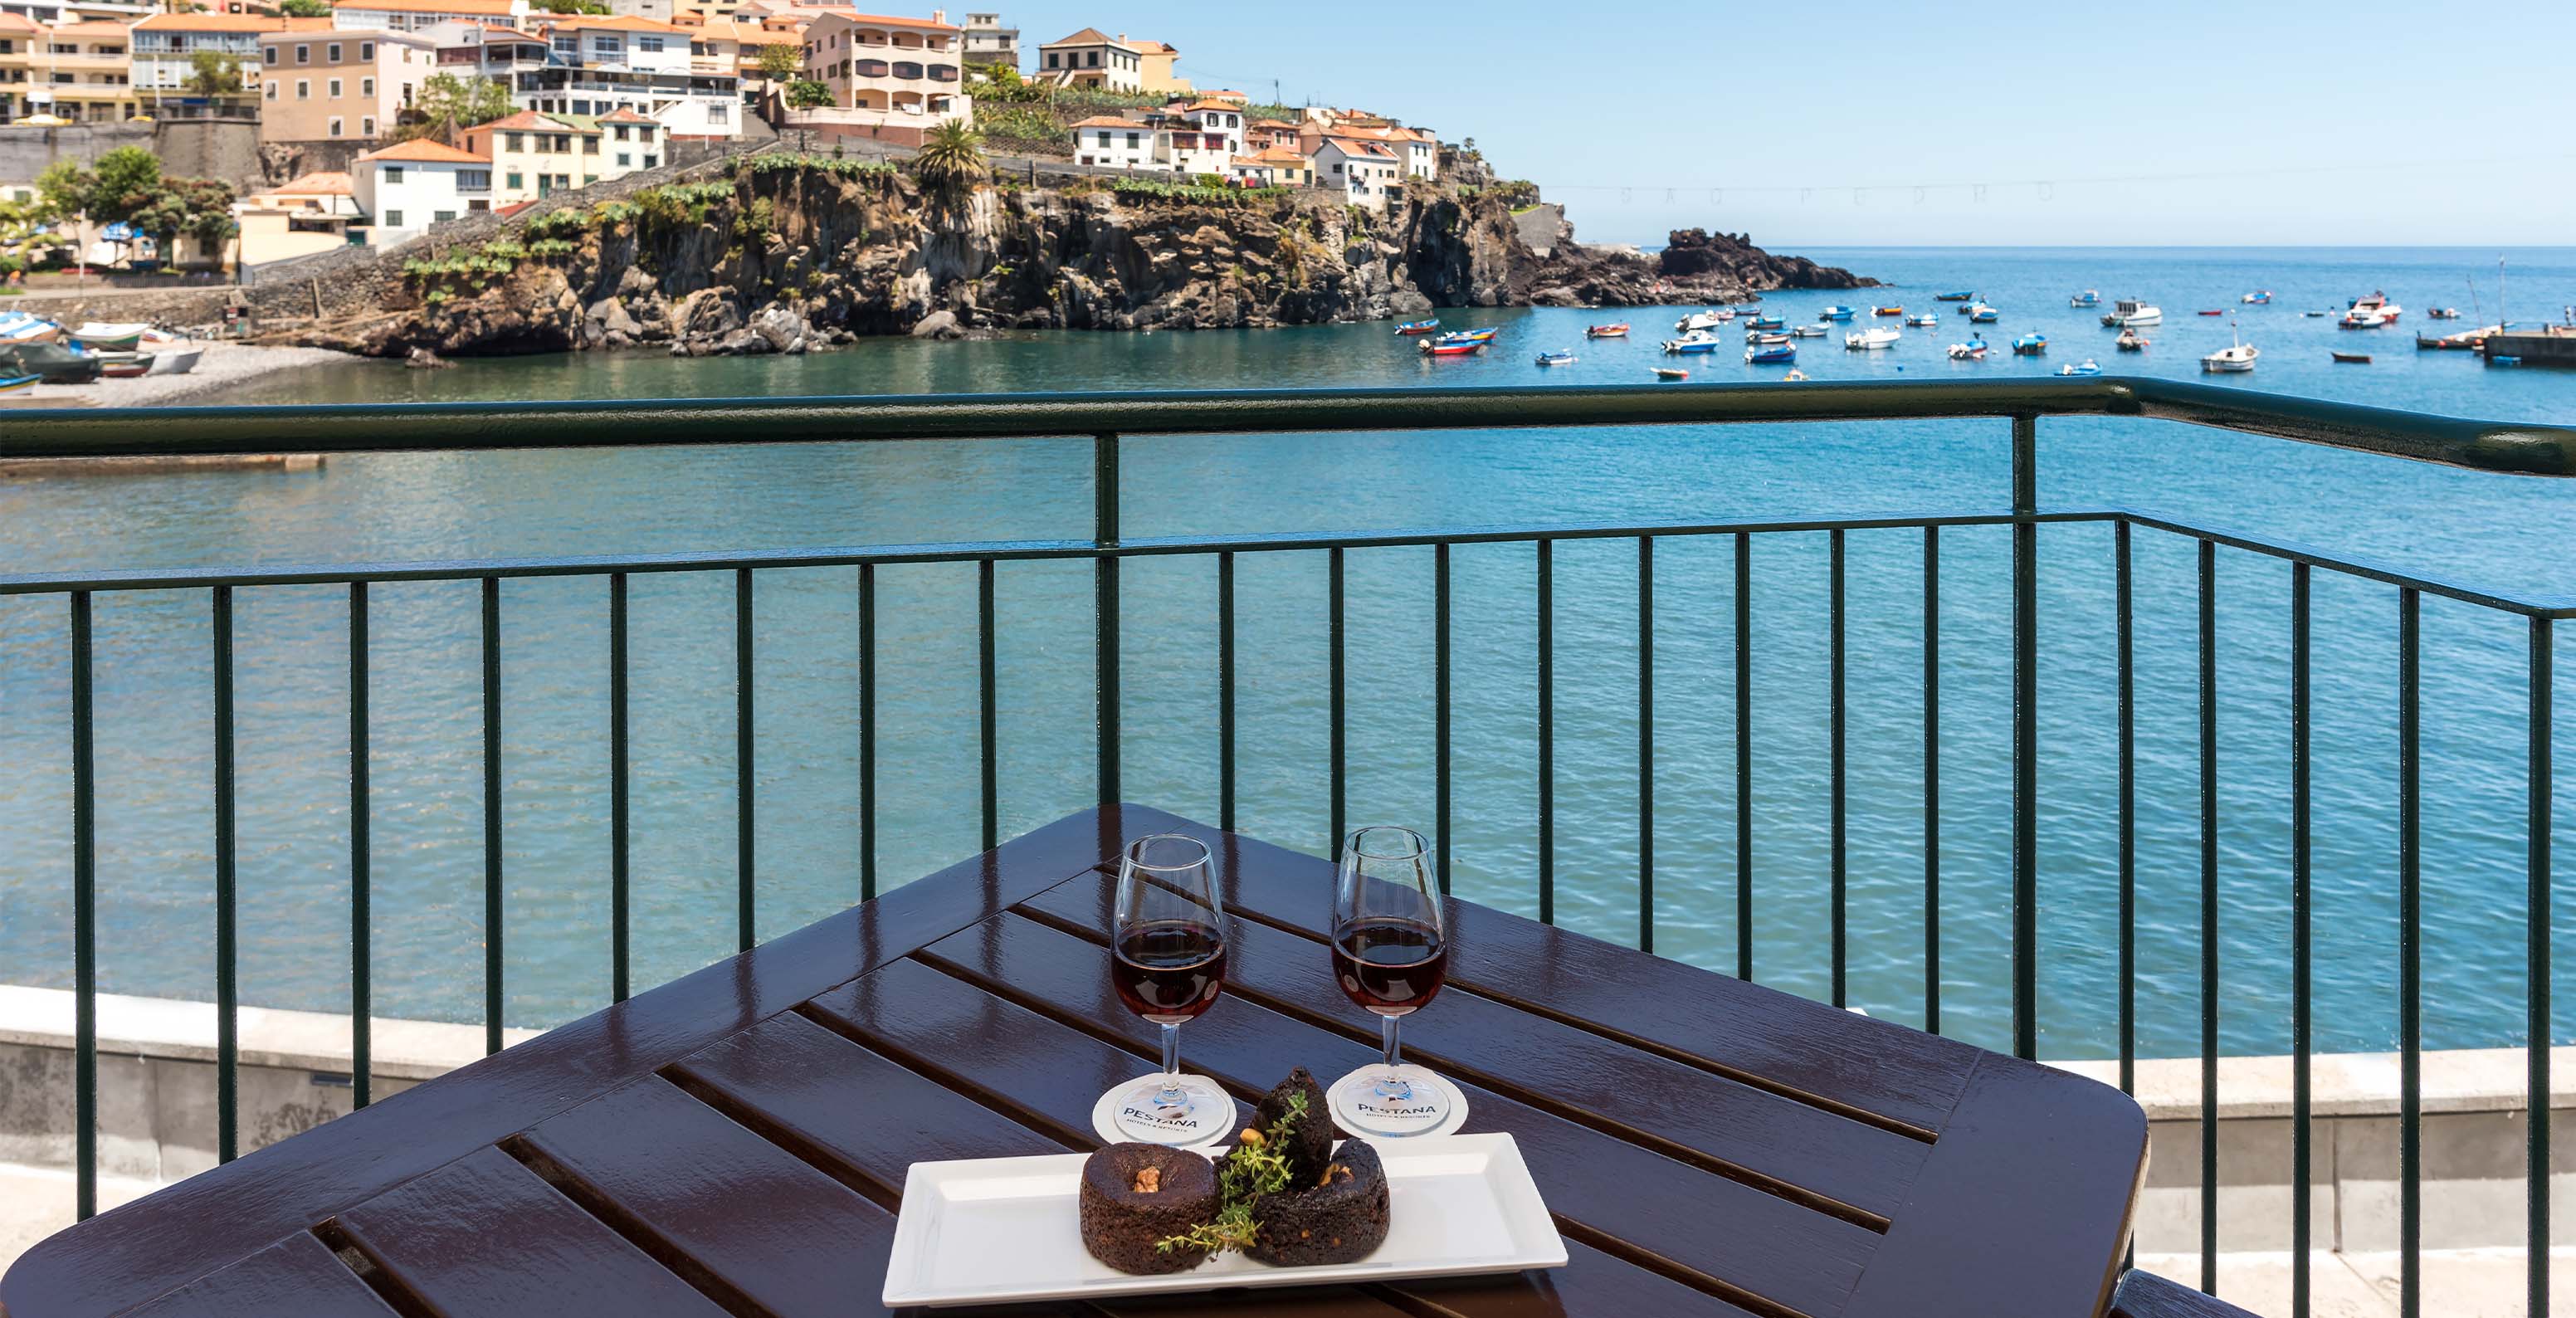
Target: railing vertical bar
(1225, 690)
(2124, 617)
(2410, 955)
(1340, 656)
(987, 723)
(2536, 1030)
(1105, 533)
(745, 823)
(2301, 1009)
(2025, 793)
(1932, 779)
(227, 873)
(620, 852)
(1440, 702)
(867, 732)
(1645, 743)
(492, 930)
(361, 864)
(2209, 916)
(84, 921)
(1547, 732)
(1743, 755)
(1837, 770)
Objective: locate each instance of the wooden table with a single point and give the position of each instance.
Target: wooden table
(735, 1142)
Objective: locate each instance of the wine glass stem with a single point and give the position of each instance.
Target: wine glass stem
(1391, 1084)
(1171, 1061)
(1388, 1051)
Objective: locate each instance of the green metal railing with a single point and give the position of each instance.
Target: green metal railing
(1103, 418)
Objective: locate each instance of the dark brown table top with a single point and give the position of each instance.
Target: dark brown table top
(735, 1142)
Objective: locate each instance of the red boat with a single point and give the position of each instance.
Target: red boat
(2213, 313)
(1419, 327)
(1451, 349)
(1618, 331)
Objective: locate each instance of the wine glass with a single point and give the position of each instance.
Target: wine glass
(1390, 954)
(1168, 961)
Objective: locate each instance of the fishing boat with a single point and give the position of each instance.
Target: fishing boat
(2129, 311)
(27, 327)
(2443, 313)
(1774, 354)
(2086, 367)
(2461, 341)
(1694, 342)
(1974, 350)
(2130, 341)
(1766, 336)
(1467, 336)
(1765, 322)
(2314, 314)
(1438, 348)
(1671, 373)
(54, 363)
(1704, 320)
(18, 383)
(1887, 311)
(1954, 297)
(1836, 312)
(2030, 345)
(1981, 314)
(2372, 312)
(2219, 312)
(1806, 331)
(2352, 358)
(171, 355)
(2235, 359)
(124, 365)
(2258, 298)
(1431, 326)
(1925, 321)
(1871, 340)
(1558, 358)
(100, 336)
(2088, 298)
(1618, 331)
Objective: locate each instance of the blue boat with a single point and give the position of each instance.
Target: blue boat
(1981, 314)
(1771, 355)
(1562, 357)
(2030, 345)
(1836, 312)
(1955, 297)
(1689, 343)
(1765, 322)
(2089, 367)
(1466, 336)
(2088, 298)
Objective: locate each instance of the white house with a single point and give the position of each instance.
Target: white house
(408, 187)
(595, 65)
(1359, 168)
(1214, 119)
(420, 15)
(1107, 139)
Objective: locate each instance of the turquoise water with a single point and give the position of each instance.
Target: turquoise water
(155, 898)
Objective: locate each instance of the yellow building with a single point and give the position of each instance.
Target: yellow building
(75, 71)
(1156, 71)
(310, 214)
(537, 155)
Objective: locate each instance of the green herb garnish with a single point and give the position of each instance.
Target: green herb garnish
(1258, 1166)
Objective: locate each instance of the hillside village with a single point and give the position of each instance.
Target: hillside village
(377, 121)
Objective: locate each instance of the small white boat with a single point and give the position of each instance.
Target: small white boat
(1927, 320)
(1974, 350)
(2234, 359)
(1806, 331)
(1870, 339)
(2128, 313)
(1704, 320)
(171, 355)
(26, 327)
(101, 336)
(1559, 358)
(2370, 312)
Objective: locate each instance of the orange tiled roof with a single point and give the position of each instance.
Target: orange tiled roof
(487, 8)
(210, 23)
(625, 114)
(1090, 36)
(421, 150)
(525, 121)
(326, 183)
(1108, 121)
(18, 22)
(95, 27)
(1205, 104)
(1280, 155)
(1359, 146)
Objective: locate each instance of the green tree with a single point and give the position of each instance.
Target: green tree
(805, 94)
(64, 190)
(951, 159)
(196, 208)
(448, 105)
(211, 73)
(781, 63)
(306, 8)
(124, 182)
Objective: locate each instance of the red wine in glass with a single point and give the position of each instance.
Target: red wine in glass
(1169, 971)
(1389, 966)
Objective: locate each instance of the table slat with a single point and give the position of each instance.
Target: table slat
(767, 1226)
(1053, 1074)
(1739, 1235)
(1876, 1066)
(1556, 1066)
(483, 1237)
(298, 1275)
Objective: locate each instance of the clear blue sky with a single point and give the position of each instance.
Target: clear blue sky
(2365, 122)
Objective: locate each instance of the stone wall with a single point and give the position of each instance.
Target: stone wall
(26, 151)
(226, 149)
(283, 162)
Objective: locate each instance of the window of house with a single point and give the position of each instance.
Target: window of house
(516, 180)
(366, 86)
(588, 179)
(367, 126)
(625, 160)
(331, 53)
(333, 130)
(590, 146)
(650, 44)
(563, 180)
(269, 89)
(367, 51)
(719, 114)
(1051, 58)
(581, 107)
(267, 54)
(393, 219)
(331, 88)
(441, 217)
(474, 180)
(621, 132)
(304, 89)
(652, 162)
(608, 45)
(393, 174)
(568, 45)
(515, 141)
(1095, 59)
(1135, 140)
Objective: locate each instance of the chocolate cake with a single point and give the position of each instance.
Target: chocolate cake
(1136, 1194)
(1310, 1137)
(1338, 1216)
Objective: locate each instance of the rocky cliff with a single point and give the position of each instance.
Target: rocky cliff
(784, 254)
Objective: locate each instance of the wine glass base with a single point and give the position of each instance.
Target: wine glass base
(1435, 1108)
(1128, 1113)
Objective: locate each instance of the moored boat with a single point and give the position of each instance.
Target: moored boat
(1438, 348)
(1806, 331)
(1765, 321)
(54, 363)
(2461, 341)
(2370, 312)
(1954, 297)
(124, 365)
(27, 327)
(2352, 358)
(1974, 350)
(1981, 314)
(18, 383)
(1703, 320)
(2086, 367)
(1766, 336)
(1871, 339)
(101, 336)
(1694, 342)
(1618, 331)
(2130, 311)
(2218, 312)
(171, 355)
(2236, 358)
(1774, 354)
(2261, 297)
(2443, 313)
(2030, 345)
(1561, 357)
(1836, 312)
(1671, 373)
(1925, 321)
(1887, 311)
(2088, 298)
(2130, 341)
(1431, 326)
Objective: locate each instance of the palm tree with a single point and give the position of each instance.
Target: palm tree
(951, 159)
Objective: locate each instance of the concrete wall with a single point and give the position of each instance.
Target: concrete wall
(25, 152)
(225, 149)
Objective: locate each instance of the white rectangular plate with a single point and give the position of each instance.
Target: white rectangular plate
(988, 1230)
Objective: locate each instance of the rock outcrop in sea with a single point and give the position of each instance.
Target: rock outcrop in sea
(783, 254)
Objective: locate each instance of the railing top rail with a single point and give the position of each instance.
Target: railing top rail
(2536, 450)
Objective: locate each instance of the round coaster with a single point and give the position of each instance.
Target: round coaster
(1346, 1116)
(1104, 1117)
